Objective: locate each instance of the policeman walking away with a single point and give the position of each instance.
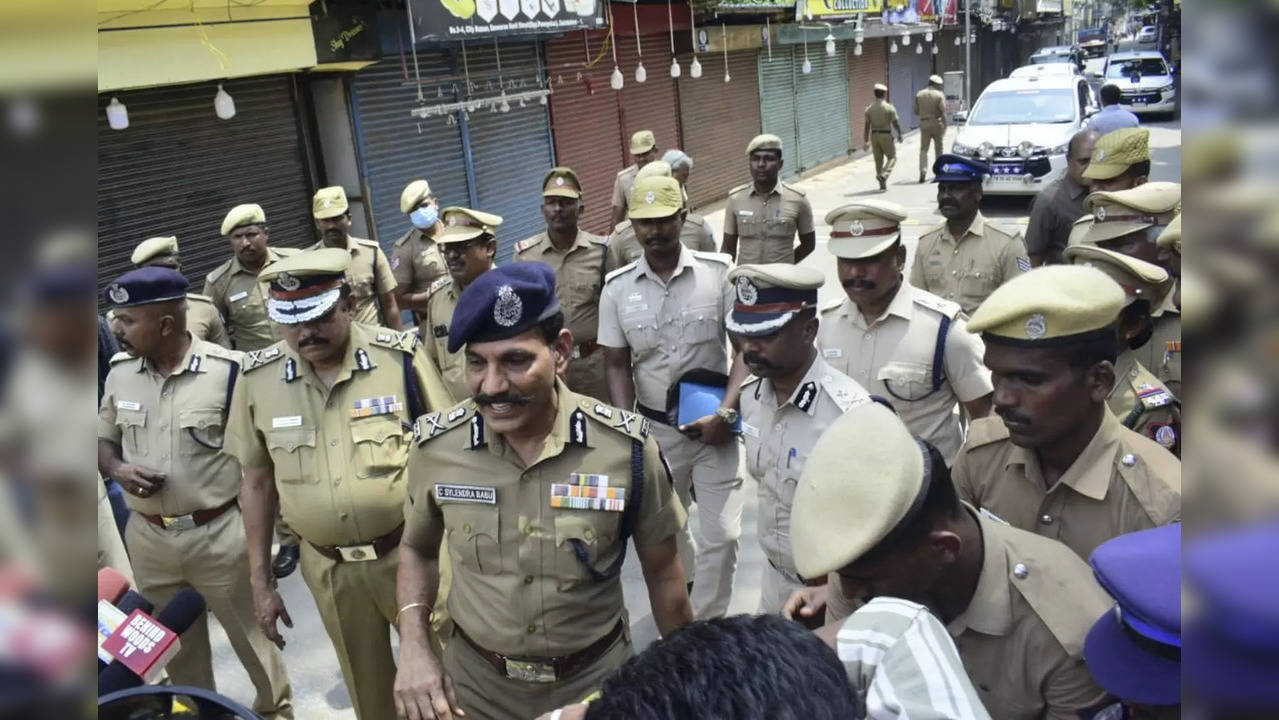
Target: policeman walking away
(930, 108)
(877, 135)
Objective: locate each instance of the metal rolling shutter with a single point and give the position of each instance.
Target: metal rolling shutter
(654, 103)
(819, 101)
(863, 72)
(900, 86)
(177, 169)
(777, 103)
(717, 119)
(397, 148)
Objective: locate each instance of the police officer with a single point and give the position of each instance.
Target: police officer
(369, 275)
(661, 317)
(1120, 160)
(203, 317)
(624, 248)
(240, 297)
(160, 431)
(468, 242)
(644, 150)
(415, 260)
(766, 215)
(966, 257)
(1170, 368)
(789, 402)
(537, 489)
(880, 122)
(901, 531)
(930, 108)
(1056, 461)
(1138, 399)
(320, 424)
(580, 261)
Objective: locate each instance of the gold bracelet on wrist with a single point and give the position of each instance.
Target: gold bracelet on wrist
(410, 606)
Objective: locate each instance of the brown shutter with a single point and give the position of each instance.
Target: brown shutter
(863, 72)
(718, 120)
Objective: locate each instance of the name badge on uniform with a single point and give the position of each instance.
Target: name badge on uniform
(238, 296)
(750, 430)
(634, 297)
(127, 405)
(746, 213)
(286, 421)
(367, 407)
(833, 353)
(585, 491)
(465, 494)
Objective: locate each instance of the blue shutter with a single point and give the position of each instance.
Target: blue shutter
(777, 103)
(821, 99)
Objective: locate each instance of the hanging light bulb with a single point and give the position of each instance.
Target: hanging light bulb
(117, 115)
(723, 29)
(934, 48)
(675, 71)
(905, 38)
(857, 49)
(223, 105)
(919, 49)
(928, 36)
(807, 67)
(506, 105)
(892, 48)
(640, 73)
(542, 100)
(727, 77)
(695, 69)
(830, 45)
(616, 81)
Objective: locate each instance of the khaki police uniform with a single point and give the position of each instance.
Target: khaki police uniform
(338, 456)
(767, 224)
(1144, 404)
(535, 580)
(241, 298)
(623, 184)
(188, 533)
(434, 328)
(369, 276)
(204, 321)
(968, 269)
(579, 279)
(930, 108)
(1163, 353)
(881, 116)
(624, 248)
(416, 261)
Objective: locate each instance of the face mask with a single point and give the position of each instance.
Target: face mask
(424, 218)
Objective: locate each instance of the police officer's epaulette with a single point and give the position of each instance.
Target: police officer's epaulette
(1153, 475)
(199, 298)
(286, 251)
(1010, 232)
(1151, 393)
(527, 243)
(844, 391)
(404, 238)
(121, 357)
(597, 239)
(435, 424)
(441, 282)
(832, 304)
(620, 272)
(722, 258)
(740, 188)
(218, 272)
(255, 359)
(403, 340)
(1039, 568)
(628, 423)
(937, 304)
(794, 189)
(368, 243)
(750, 380)
(214, 350)
(987, 430)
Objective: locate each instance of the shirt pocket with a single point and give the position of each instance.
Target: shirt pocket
(906, 381)
(473, 536)
(701, 324)
(293, 455)
(976, 284)
(379, 446)
(133, 431)
(201, 430)
(780, 228)
(592, 533)
(640, 329)
(361, 285)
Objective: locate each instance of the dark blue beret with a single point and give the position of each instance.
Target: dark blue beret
(957, 168)
(146, 285)
(503, 303)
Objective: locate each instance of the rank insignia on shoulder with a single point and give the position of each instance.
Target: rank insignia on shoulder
(440, 331)
(256, 358)
(1154, 397)
(290, 370)
(577, 427)
(362, 360)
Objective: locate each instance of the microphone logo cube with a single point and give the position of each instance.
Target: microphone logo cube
(143, 645)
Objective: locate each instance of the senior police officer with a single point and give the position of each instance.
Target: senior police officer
(160, 435)
(624, 248)
(415, 260)
(1056, 461)
(764, 217)
(901, 531)
(538, 489)
(468, 242)
(644, 150)
(966, 257)
(320, 424)
(203, 318)
(930, 108)
(580, 262)
(896, 340)
(660, 318)
(788, 403)
(369, 276)
(880, 122)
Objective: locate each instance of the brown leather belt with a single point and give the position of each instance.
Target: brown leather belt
(585, 349)
(544, 670)
(361, 552)
(882, 132)
(652, 414)
(193, 520)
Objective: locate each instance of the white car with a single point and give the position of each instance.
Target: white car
(1042, 69)
(1021, 127)
(1147, 34)
(1145, 81)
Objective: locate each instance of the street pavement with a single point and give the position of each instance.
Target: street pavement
(318, 690)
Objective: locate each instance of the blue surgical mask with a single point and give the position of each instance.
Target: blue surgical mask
(424, 218)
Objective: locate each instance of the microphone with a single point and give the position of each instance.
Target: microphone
(111, 616)
(142, 645)
(112, 585)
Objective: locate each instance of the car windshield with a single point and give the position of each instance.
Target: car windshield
(1024, 106)
(1055, 56)
(1136, 66)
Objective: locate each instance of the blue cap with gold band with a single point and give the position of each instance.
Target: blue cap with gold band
(769, 296)
(956, 168)
(146, 285)
(305, 286)
(504, 302)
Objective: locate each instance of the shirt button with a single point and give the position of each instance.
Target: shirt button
(342, 516)
(466, 528)
(531, 629)
(337, 481)
(1046, 519)
(164, 426)
(528, 530)
(589, 534)
(528, 579)
(333, 443)
(1129, 460)
(1020, 571)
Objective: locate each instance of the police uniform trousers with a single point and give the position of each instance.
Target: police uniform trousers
(711, 473)
(356, 601)
(775, 588)
(486, 695)
(585, 376)
(885, 152)
(283, 533)
(214, 560)
(930, 131)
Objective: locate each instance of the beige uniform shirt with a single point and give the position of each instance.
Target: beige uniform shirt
(434, 328)
(369, 275)
(1022, 636)
(204, 320)
(241, 299)
(416, 261)
(1121, 483)
(624, 247)
(337, 453)
(766, 224)
(1144, 404)
(1162, 355)
(518, 586)
(623, 186)
(893, 357)
(174, 425)
(779, 439)
(969, 269)
(930, 104)
(882, 117)
(670, 327)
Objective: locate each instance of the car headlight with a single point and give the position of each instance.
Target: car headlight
(1025, 148)
(986, 150)
(1060, 149)
(1167, 88)
(961, 149)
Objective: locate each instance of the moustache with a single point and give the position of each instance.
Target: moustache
(1012, 417)
(757, 360)
(504, 398)
(859, 284)
(312, 341)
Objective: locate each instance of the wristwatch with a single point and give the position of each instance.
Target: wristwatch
(727, 414)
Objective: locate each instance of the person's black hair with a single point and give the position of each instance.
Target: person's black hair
(940, 502)
(1138, 311)
(881, 93)
(1092, 349)
(742, 667)
(1141, 168)
(1110, 94)
(551, 327)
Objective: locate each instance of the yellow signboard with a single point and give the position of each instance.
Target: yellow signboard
(838, 8)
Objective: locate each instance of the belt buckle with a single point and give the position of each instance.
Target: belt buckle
(530, 671)
(358, 553)
(179, 522)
